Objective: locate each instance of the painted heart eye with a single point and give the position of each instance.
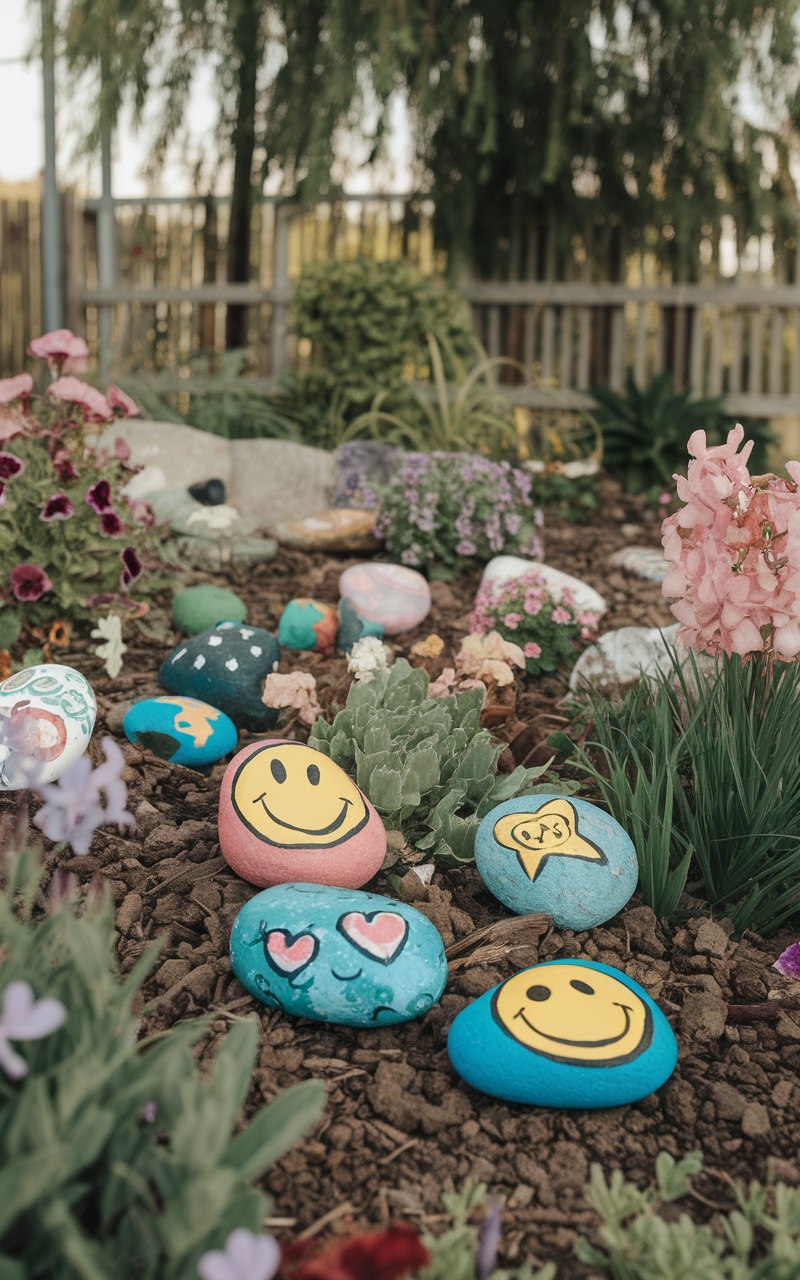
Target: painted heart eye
(278, 770)
(381, 935)
(288, 953)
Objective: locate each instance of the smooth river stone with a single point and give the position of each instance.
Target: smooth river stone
(559, 855)
(308, 624)
(181, 730)
(47, 715)
(335, 529)
(506, 568)
(393, 595)
(568, 1033)
(195, 609)
(338, 955)
(226, 666)
(287, 812)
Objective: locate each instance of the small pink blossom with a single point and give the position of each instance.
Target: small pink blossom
(532, 649)
(15, 388)
(29, 582)
(561, 616)
(62, 350)
(23, 1017)
(122, 449)
(121, 402)
(297, 690)
(512, 620)
(93, 403)
(246, 1256)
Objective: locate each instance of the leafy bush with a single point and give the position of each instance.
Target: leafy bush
(522, 610)
(706, 764)
(425, 763)
(368, 321)
(449, 507)
(759, 1240)
(568, 493)
(116, 1157)
(67, 535)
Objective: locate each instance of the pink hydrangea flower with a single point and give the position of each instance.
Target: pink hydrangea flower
(62, 350)
(121, 402)
(15, 388)
(93, 403)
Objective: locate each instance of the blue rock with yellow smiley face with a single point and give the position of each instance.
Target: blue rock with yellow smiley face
(338, 955)
(182, 730)
(567, 1033)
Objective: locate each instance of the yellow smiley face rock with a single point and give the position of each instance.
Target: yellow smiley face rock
(559, 855)
(569, 1033)
(288, 813)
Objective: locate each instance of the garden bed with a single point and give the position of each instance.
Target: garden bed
(399, 1126)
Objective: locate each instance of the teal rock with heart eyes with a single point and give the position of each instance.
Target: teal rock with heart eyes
(338, 955)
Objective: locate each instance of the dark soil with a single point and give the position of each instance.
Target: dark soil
(400, 1127)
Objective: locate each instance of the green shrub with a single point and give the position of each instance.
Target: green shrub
(425, 763)
(460, 1253)
(116, 1157)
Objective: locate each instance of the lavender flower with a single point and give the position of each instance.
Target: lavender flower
(72, 811)
(247, 1256)
(23, 1017)
(788, 962)
(488, 1241)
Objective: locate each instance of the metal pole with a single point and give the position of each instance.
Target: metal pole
(106, 256)
(52, 298)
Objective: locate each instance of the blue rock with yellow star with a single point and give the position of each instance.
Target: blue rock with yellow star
(566, 1034)
(553, 853)
(182, 730)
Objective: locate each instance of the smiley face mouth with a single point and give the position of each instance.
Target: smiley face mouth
(582, 1044)
(306, 831)
(349, 977)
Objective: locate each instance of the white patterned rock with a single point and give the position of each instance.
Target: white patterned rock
(47, 716)
(507, 568)
(621, 658)
(393, 595)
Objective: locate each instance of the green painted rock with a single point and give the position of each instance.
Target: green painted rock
(353, 627)
(197, 608)
(308, 624)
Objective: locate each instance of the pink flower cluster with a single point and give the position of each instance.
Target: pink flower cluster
(734, 554)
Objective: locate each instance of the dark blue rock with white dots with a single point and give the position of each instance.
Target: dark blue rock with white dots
(226, 666)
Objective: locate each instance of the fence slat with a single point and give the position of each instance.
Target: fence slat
(696, 352)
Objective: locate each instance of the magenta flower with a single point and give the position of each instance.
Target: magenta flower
(23, 1017)
(15, 388)
(121, 402)
(98, 495)
(65, 468)
(110, 525)
(10, 466)
(131, 567)
(29, 582)
(58, 507)
(72, 811)
(788, 962)
(94, 405)
(63, 350)
(247, 1256)
(122, 449)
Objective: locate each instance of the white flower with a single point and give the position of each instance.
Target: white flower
(25, 1018)
(110, 630)
(368, 655)
(246, 1257)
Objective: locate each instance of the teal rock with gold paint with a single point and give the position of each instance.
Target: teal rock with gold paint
(308, 624)
(181, 730)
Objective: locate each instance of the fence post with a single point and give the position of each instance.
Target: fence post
(106, 258)
(52, 302)
(281, 293)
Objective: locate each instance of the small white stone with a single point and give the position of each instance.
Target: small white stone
(215, 640)
(256, 650)
(199, 662)
(232, 664)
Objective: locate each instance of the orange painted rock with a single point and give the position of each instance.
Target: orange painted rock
(288, 813)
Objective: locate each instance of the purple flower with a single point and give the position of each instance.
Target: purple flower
(788, 962)
(23, 1017)
(131, 567)
(98, 495)
(72, 811)
(10, 466)
(110, 525)
(58, 507)
(247, 1256)
(149, 1111)
(29, 582)
(488, 1242)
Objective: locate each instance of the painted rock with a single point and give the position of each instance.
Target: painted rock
(47, 715)
(391, 594)
(288, 812)
(226, 666)
(559, 855)
(307, 624)
(353, 627)
(337, 955)
(506, 568)
(182, 730)
(195, 609)
(334, 529)
(569, 1033)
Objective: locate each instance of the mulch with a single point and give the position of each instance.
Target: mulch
(400, 1128)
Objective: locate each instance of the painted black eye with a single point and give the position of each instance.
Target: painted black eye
(526, 835)
(582, 986)
(312, 773)
(277, 770)
(538, 993)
